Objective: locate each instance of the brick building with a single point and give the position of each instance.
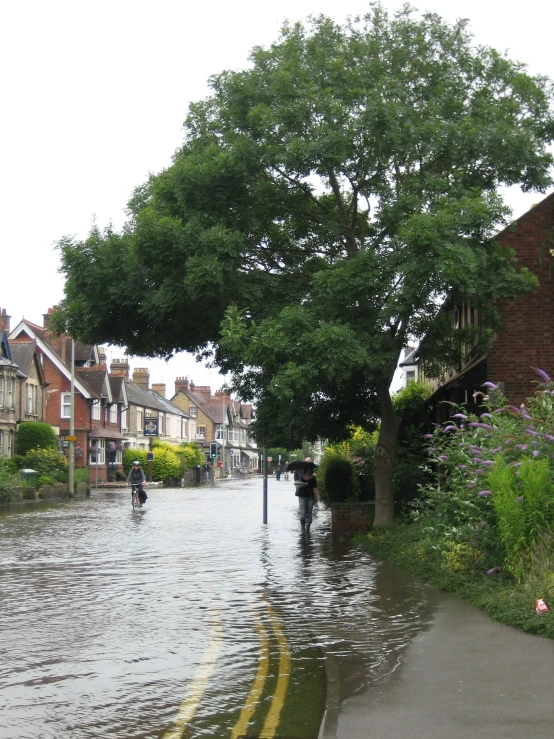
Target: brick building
(98, 401)
(219, 418)
(526, 339)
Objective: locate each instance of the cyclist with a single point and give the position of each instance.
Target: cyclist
(136, 479)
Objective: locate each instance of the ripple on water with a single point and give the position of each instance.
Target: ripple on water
(105, 610)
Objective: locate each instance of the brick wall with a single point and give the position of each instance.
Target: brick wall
(527, 339)
(350, 518)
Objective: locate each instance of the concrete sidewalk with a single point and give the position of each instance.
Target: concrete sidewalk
(464, 678)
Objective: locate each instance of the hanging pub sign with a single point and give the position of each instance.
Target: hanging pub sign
(151, 427)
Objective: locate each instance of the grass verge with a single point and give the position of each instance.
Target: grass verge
(499, 596)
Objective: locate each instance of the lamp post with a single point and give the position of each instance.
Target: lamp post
(265, 485)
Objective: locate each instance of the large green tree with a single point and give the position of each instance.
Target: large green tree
(323, 204)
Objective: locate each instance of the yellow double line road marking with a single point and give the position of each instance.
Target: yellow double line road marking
(272, 718)
(200, 680)
(206, 667)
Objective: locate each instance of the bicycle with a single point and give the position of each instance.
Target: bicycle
(135, 496)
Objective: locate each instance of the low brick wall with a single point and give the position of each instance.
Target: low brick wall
(348, 519)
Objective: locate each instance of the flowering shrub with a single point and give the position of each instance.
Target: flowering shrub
(493, 488)
(47, 462)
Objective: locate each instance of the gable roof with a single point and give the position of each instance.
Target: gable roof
(23, 354)
(96, 380)
(148, 399)
(25, 326)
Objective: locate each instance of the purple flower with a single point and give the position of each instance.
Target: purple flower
(484, 493)
(471, 485)
(427, 436)
(460, 415)
(485, 415)
(532, 432)
(486, 462)
(514, 409)
(498, 449)
(542, 374)
(451, 428)
(518, 500)
(490, 386)
(462, 466)
(443, 457)
(475, 449)
(475, 425)
(548, 437)
(536, 453)
(493, 570)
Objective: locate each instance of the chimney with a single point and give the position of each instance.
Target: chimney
(4, 321)
(120, 368)
(102, 358)
(47, 316)
(204, 390)
(181, 383)
(141, 377)
(159, 387)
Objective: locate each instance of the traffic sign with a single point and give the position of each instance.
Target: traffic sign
(149, 456)
(71, 438)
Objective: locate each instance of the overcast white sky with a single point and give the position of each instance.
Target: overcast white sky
(94, 96)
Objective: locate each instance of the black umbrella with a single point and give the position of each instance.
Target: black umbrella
(301, 465)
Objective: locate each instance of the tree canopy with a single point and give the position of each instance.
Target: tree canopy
(323, 204)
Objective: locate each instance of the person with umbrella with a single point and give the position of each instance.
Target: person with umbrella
(306, 490)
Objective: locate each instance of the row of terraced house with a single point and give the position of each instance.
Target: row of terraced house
(110, 406)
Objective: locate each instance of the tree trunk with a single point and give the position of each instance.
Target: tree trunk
(385, 455)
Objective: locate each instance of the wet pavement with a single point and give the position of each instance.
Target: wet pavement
(189, 618)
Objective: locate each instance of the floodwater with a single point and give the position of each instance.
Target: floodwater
(189, 618)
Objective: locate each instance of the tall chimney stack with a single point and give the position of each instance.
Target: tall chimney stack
(141, 377)
(159, 387)
(4, 321)
(181, 383)
(120, 368)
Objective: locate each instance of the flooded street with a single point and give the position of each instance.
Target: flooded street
(189, 618)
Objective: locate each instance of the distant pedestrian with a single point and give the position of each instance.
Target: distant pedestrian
(286, 471)
(207, 472)
(278, 472)
(307, 494)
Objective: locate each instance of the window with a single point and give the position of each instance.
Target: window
(98, 451)
(147, 413)
(113, 413)
(96, 410)
(119, 456)
(410, 376)
(66, 405)
(30, 398)
(10, 443)
(219, 432)
(140, 420)
(192, 411)
(10, 393)
(1, 391)
(1, 442)
(124, 420)
(201, 432)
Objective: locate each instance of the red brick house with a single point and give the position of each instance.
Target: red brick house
(99, 399)
(526, 339)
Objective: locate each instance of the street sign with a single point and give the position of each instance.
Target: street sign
(149, 456)
(270, 459)
(151, 427)
(71, 438)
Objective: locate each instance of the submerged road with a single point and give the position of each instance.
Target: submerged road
(192, 619)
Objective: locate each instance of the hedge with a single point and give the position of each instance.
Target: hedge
(34, 435)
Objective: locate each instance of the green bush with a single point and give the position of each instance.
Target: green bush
(14, 464)
(34, 435)
(82, 474)
(339, 478)
(45, 480)
(166, 463)
(8, 483)
(191, 455)
(47, 462)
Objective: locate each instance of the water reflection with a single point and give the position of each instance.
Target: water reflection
(105, 611)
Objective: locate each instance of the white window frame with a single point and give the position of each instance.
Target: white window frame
(10, 392)
(10, 444)
(66, 405)
(193, 411)
(30, 398)
(1, 390)
(95, 412)
(140, 420)
(124, 421)
(119, 457)
(113, 413)
(99, 452)
(219, 435)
